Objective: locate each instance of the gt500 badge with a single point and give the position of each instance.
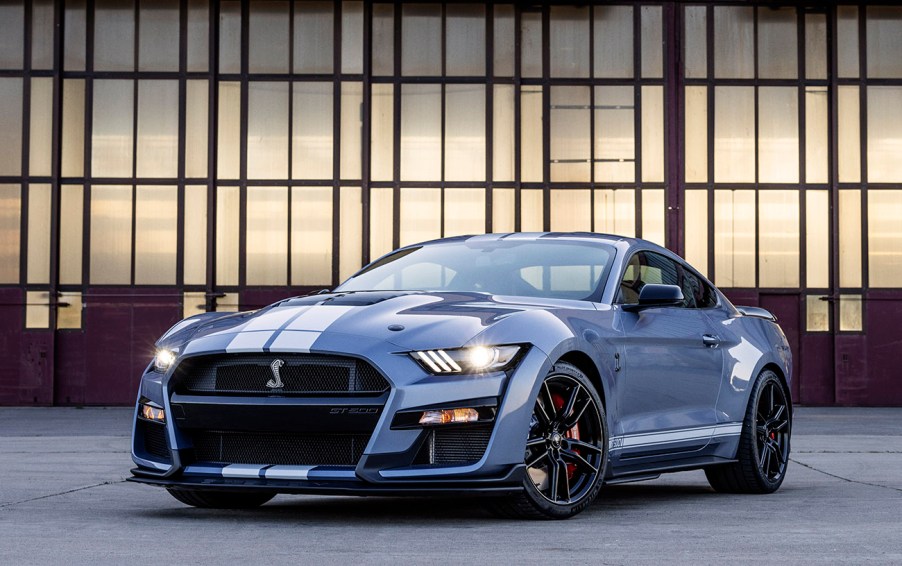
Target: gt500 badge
(353, 410)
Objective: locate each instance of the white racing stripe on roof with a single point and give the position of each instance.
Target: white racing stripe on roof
(318, 318)
(249, 341)
(294, 341)
(242, 471)
(274, 319)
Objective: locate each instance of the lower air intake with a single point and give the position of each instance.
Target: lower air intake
(154, 435)
(455, 445)
(279, 449)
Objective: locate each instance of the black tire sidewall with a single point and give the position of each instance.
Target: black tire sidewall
(749, 429)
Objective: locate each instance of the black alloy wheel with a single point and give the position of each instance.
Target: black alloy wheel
(566, 448)
(763, 453)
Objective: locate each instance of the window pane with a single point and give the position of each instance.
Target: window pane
(816, 142)
(530, 44)
(313, 37)
(696, 134)
(778, 242)
(531, 157)
(615, 212)
(615, 143)
(734, 42)
(111, 136)
(652, 134)
(464, 212)
(734, 131)
(158, 128)
(156, 236)
(569, 37)
(37, 309)
(72, 202)
(311, 143)
(228, 303)
(228, 146)
(197, 115)
(114, 35)
(351, 130)
(40, 132)
(351, 37)
(198, 35)
(613, 29)
(571, 210)
(884, 35)
(778, 135)
(230, 37)
(11, 126)
(816, 46)
(381, 222)
(850, 313)
(696, 229)
(817, 237)
(267, 236)
(847, 40)
(311, 235)
(884, 134)
(652, 42)
(695, 38)
(850, 238)
(267, 130)
(158, 35)
(849, 135)
(195, 246)
(503, 133)
(111, 234)
(382, 129)
(74, 41)
(503, 210)
(884, 238)
(421, 215)
(465, 133)
(193, 303)
(73, 136)
(350, 232)
(421, 132)
(531, 210)
(734, 238)
(570, 134)
(777, 43)
(38, 269)
(421, 40)
(465, 39)
(42, 27)
(653, 215)
(504, 41)
(817, 314)
(10, 222)
(268, 37)
(68, 316)
(227, 222)
(383, 49)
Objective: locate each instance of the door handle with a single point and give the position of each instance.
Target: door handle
(710, 341)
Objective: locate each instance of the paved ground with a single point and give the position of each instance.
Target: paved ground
(63, 500)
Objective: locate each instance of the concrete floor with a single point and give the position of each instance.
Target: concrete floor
(63, 500)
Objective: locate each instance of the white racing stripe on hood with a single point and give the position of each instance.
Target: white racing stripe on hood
(274, 319)
(294, 341)
(318, 318)
(249, 341)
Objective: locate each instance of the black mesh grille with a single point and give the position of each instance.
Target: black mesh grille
(284, 449)
(154, 439)
(300, 374)
(454, 445)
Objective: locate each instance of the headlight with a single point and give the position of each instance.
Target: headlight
(163, 359)
(474, 359)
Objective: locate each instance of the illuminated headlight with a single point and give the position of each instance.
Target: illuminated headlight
(163, 359)
(152, 413)
(474, 359)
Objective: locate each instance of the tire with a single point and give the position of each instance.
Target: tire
(566, 450)
(220, 499)
(763, 453)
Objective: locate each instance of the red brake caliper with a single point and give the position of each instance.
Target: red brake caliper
(572, 433)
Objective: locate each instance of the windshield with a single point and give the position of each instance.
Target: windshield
(535, 268)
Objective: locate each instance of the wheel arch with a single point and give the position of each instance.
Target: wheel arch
(774, 367)
(587, 365)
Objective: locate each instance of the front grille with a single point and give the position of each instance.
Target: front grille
(154, 435)
(279, 449)
(455, 445)
(300, 374)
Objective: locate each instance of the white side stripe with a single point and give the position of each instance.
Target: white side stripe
(670, 436)
(241, 471)
(318, 318)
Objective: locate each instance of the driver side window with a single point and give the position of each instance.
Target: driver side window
(644, 268)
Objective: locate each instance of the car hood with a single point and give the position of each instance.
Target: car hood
(406, 319)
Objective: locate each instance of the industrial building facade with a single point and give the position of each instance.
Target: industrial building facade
(160, 158)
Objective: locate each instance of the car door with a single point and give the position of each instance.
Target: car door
(667, 389)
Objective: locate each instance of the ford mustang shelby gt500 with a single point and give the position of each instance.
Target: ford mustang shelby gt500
(530, 367)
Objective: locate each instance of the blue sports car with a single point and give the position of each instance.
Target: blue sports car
(531, 368)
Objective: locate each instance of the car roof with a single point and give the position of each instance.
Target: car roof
(611, 239)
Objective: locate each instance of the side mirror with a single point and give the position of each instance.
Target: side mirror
(654, 295)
